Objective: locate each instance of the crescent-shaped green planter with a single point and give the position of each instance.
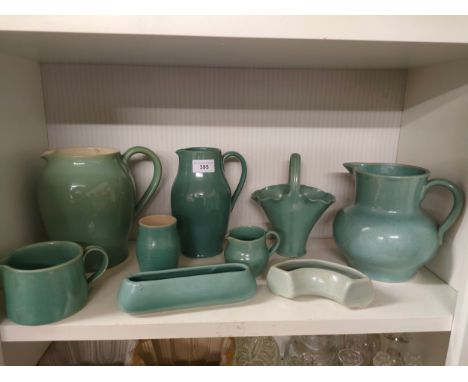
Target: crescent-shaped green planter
(176, 288)
(309, 277)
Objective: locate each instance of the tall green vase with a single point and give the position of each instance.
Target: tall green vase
(201, 199)
(87, 195)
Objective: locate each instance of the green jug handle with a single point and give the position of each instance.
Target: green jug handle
(240, 185)
(294, 174)
(457, 207)
(276, 244)
(102, 267)
(157, 172)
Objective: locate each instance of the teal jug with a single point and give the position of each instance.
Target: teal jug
(248, 245)
(87, 195)
(385, 233)
(201, 199)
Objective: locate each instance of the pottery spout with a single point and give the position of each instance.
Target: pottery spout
(46, 154)
(353, 166)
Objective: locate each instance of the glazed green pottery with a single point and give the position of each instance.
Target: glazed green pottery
(87, 195)
(46, 282)
(186, 287)
(201, 199)
(293, 209)
(385, 233)
(157, 244)
(247, 245)
(310, 277)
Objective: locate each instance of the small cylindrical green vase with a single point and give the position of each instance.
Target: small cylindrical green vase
(157, 245)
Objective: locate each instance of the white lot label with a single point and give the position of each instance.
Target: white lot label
(205, 165)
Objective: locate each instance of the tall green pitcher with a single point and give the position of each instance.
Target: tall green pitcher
(201, 199)
(87, 195)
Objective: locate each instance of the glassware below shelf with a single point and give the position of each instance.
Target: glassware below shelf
(89, 353)
(412, 359)
(256, 351)
(382, 358)
(389, 349)
(311, 351)
(184, 352)
(397, 350)
(365, 344)
(350, 357)
(396, 344)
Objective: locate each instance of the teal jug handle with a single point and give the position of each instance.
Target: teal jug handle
(157, 172)
(276, 244)
(240, 185)
(294, 174)
(457, 207)
(104, 262)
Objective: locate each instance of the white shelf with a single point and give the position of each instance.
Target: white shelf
(438, 29)
(239, 41)
(422, 304)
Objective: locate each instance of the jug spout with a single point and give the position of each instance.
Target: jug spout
(352, 166)
(46, 154)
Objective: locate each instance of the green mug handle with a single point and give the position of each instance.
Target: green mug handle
(240, 185)
(104, 262)
(276, 244)
(294, 174)
(157, 172)
(457, 207)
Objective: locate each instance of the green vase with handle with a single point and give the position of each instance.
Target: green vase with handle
(385, 233)
(293, 209)
(201, 199)
(88, 195)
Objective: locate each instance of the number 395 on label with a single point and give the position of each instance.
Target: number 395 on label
(206, 165)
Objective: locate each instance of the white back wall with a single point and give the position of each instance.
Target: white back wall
(328, 116)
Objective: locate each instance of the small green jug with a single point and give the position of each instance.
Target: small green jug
(247, 245)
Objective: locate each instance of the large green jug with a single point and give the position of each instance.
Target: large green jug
(201, 199)
(87, 195)
(385, 233)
